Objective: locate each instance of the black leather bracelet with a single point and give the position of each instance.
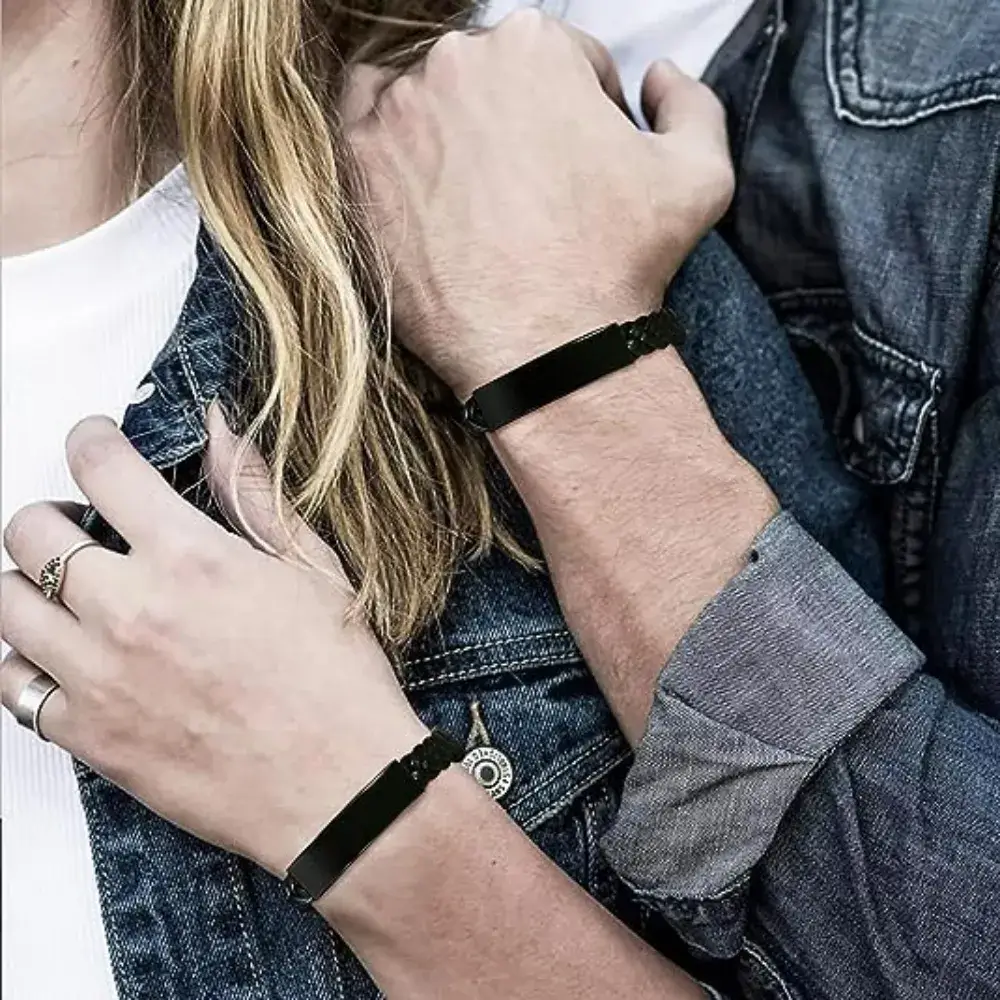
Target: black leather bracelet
(569, 367)
(355, 828)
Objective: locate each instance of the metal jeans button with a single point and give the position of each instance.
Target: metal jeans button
(491, 768)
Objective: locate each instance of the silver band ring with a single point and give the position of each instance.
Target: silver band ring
(27, 708)
(54, 571)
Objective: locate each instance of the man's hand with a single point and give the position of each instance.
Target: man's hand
(521, 208)
(518, 205)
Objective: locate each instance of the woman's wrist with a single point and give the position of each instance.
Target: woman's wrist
(301, 812)
(455, 900)
(392, 876)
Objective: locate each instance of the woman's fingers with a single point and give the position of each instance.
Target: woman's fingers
(241, 483)
(43, 631)
(43, 531)
(129, 493)
(40, 532)
(16, 673)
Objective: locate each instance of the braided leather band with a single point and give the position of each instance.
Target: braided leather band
(569, 367)
(353, 830)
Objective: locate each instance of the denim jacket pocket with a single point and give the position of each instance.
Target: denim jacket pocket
(892, 64)
(891, 406)
(883, 400)
(532, 703)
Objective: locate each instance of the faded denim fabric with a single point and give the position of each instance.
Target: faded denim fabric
(186, 921)
(867, 140)
(878, 432)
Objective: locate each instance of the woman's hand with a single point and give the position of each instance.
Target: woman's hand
(217, 683)
(518, 205)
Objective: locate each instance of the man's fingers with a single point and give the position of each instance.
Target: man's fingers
(15, 673)
(241, 483)
(364, 87)
(128, 492)
(366, 83)
(675, 102)
(602, 61)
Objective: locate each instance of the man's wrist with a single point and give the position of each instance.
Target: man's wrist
(544, 328)
(645, 513)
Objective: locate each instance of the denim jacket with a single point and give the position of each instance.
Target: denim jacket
(769, 861)
(866, 135)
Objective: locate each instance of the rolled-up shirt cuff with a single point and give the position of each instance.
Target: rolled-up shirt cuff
(777, 671)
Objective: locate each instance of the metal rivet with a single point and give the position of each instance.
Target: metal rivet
(143, 393)
(858, 428)
(491, 768)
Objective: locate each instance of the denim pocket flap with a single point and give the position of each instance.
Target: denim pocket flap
(890, 400)
(500, 670)
(891, 63)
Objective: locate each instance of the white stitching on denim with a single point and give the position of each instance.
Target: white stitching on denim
(486, 645)
(485, 669)
(590, 836)
(182, 353)
(894, 352)
(755, 952)
(533, 822)
(338, 972)
(892, 121)
(901, 122)
(918, 432)
(537, 789)
(230, 863)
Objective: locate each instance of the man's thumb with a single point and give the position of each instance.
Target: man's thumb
(675, 102)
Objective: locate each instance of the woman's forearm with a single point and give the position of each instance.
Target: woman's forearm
(455, 901)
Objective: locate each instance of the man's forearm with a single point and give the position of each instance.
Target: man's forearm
(644, 515)
(455, 901)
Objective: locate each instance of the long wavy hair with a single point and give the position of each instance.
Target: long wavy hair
(246, 92)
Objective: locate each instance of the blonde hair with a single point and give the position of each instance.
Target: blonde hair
(246, 92)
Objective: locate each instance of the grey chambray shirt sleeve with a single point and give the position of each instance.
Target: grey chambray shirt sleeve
(780, 668)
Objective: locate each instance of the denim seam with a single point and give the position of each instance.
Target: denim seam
(773, 31)
(174, 456)
(532, 822)
(238, 899)
(719, 896)
(335, 946)
(554, 633)
(757, 953)
(562, 769)
(590, 836)
(932, 103)
(189, 374)
(485, 669)
(97, 828)
(914, 368)
(894, 352)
